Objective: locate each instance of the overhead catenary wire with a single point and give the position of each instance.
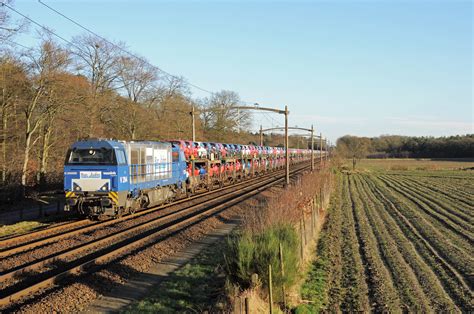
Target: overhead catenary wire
(78, 47)
(30, 48)
(272, 120)
(106, 40)
(40, 25)
(132, 54)
(121, 48)
(95, 34)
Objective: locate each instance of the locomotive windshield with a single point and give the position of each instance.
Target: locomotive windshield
(92, 156)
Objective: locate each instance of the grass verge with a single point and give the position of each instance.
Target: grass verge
(196, 287)
(20, 228)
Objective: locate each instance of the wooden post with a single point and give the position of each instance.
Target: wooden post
(254, 280)
(282, 270)
(236, 299)
(302, 245)
(270, 293)
(247, 306)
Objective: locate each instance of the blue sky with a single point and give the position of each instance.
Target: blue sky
(348, 67)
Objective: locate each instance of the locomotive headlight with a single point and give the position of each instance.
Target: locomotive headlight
(105, 187)
(76, 187)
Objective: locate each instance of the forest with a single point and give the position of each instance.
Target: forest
(56, 92)
(396, 146)
(52, 96)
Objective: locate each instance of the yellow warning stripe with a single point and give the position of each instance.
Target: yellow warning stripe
(70, 194)
(114, 197)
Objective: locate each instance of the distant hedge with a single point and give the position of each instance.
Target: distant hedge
(395, 146)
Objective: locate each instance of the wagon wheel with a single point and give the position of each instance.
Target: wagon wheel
(135, 205)
(191, 191)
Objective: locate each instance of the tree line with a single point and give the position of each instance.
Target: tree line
(52, 95)
(396, 146)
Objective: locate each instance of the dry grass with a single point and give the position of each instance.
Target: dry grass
(273, 222)
(414, 164)
(19, 228)
(288, 206)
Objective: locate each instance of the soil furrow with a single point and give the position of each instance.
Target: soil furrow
(439, 299)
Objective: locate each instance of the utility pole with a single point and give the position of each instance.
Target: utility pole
(312, 148)
(261, 136)
(287, 153)
(286, 128)
(286, 113)
(194, 124)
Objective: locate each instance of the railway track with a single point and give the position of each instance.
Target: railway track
(42, 237)
(92, 255)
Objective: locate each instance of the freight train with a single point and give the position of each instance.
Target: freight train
(109, 178)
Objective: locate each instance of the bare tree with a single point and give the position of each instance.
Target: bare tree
(13, 84)
(173, 85)
(45, 65)
(100, 61)
(165, 87)
(220, 116)
(8, 26)
(63, 94)
(136, 76)
(353, 147)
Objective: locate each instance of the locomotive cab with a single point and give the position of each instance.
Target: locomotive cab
(111, 178)
(94, 173)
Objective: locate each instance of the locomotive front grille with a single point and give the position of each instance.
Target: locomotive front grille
(89, 184)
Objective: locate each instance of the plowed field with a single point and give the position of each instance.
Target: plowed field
(397, 241)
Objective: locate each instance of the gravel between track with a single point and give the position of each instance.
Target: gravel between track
(80, 291)
(51, 248)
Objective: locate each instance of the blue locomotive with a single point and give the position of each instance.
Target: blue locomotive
(111, 178)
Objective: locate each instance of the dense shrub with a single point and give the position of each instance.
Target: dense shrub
(252, 253)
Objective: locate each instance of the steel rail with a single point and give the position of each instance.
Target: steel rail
(129, 244)
(35, 234)
(19, 245)
(14, 272)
